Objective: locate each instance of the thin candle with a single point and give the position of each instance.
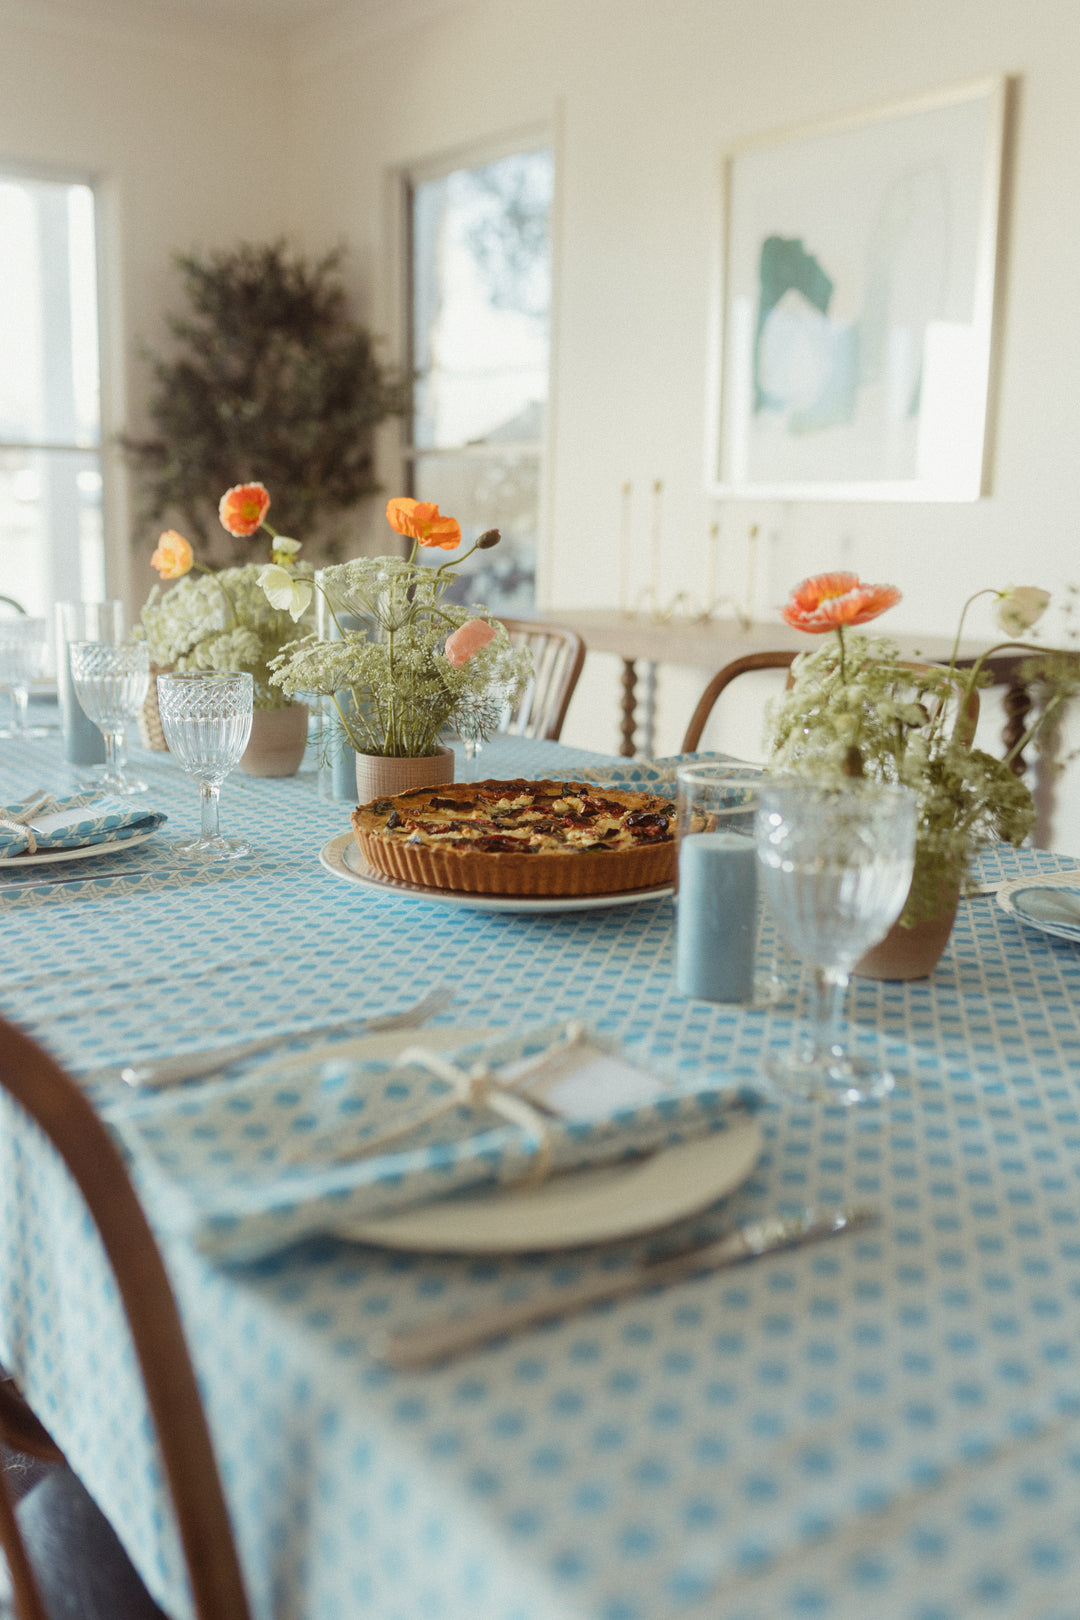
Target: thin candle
(654, 581)
(624, 548)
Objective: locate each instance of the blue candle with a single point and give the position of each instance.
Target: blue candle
(716, 917)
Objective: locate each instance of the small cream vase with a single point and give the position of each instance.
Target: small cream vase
(277, 742)
(379, 777)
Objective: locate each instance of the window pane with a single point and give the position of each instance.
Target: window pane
(51, 537)
(49, 382)
(481, 302)
(488, 492)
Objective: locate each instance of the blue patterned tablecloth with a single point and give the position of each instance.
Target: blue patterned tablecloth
(887, 1425)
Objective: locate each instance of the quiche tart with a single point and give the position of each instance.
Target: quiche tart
(520, 838)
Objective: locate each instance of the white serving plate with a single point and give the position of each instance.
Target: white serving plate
(1010, 897)
(586, 1206)
(341, 857)
(84, 852)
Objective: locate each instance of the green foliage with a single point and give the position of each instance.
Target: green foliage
(404, 691)
(271, 380)
(854, 708)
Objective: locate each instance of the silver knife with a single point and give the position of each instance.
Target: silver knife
(157, 1072)
(420, 1344)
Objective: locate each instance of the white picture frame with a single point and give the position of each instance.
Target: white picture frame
(854, 309)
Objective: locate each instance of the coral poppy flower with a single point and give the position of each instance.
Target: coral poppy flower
(173, 557)
(827, 601)
(422, 521)
(467, 640)
(242, 508)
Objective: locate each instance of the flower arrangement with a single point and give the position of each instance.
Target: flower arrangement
(425, 665)
(224, 619)
(855, 708)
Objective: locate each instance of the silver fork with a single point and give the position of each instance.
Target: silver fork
(159, 1072)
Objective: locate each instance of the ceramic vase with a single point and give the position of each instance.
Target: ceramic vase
(277, 742)
(379, 777)
(913, 953)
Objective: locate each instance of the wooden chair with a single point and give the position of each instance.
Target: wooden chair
(558, 658)
(87, 1150)
(1004, 670)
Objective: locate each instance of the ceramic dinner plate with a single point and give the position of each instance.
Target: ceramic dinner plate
(1049, 901)
(585, 1206)
(83, 853)
(341, 856)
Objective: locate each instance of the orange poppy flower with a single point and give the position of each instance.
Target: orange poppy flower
(422, 520)
(242, 508)
(826, 601)
(173, 557)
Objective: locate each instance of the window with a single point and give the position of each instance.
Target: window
(479, 333)
(51, 532)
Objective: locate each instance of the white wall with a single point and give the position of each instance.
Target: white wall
(181, 130)
(644, 97)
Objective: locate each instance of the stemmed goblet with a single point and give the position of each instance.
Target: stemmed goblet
(206, 718)
(836, 864)
(110, 681)
(22, 655)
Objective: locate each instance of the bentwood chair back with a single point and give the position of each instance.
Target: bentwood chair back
(558, 658)
(1004, 670)
(53, 1101)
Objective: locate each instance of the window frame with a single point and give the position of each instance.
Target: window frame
(113, 487)
(402, 183)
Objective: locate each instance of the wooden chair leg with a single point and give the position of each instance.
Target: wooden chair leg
(28, 1604)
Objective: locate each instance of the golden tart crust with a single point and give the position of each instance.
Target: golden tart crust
(472, 837)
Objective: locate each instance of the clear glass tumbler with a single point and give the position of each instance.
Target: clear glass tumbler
(23, 643)
(110, 682)
(718, 907)
(836, 864)
(206, 719)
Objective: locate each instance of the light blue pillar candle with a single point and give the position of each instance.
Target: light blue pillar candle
(716, 917)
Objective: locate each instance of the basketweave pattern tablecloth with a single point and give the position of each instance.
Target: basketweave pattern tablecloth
(888, 1425)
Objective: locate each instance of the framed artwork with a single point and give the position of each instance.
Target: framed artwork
(854, 312)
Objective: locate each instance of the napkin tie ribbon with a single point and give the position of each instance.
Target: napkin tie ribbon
(481, 1087)
(42, 805)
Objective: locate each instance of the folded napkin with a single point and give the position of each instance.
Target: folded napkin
(657, 775)
(1054, 905)
(71, 823)
(242, 1168)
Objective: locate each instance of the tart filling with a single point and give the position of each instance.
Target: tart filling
(486, 837)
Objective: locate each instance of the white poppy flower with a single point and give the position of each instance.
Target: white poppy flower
(283, 592)
(285, 546)
(1019, 607)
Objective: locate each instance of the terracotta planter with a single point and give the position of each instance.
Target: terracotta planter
(378, 777)
(912, 953)
(277, 742)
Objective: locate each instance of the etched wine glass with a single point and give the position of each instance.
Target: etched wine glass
(206, 718)
(836, 865)
(110, 681)
(22, 656)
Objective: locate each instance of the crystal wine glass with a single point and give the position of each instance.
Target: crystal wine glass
(206, 719)
(110, 680)
(22, 655)
(836, 864)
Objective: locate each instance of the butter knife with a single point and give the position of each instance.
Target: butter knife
(420, 1344)
(170, 1071)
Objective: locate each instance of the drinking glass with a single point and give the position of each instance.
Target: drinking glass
(836, 865)
(82, 621)
(720, 921)
(22, 656)
(110, 682)
(206, 719)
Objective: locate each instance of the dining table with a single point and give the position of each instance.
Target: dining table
(887, 1424)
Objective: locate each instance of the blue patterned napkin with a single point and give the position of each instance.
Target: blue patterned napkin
(656, 775)
(73, 823)
(243, 1168)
